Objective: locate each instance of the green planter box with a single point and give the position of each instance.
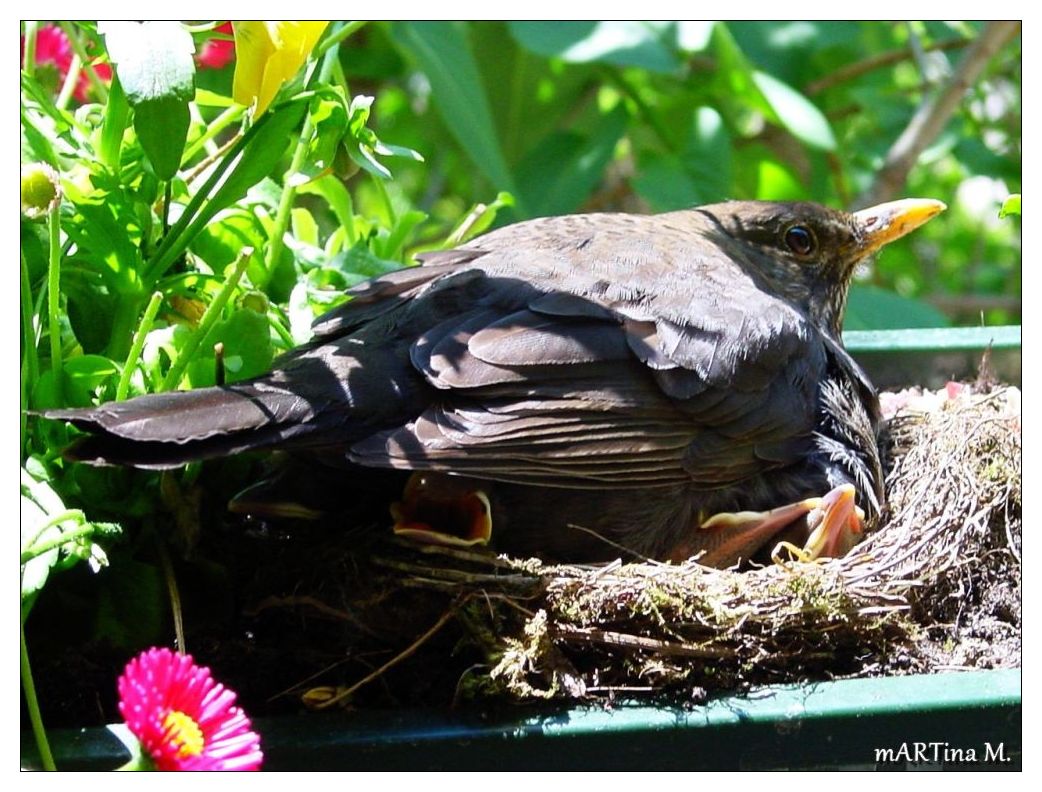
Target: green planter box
(969, 720)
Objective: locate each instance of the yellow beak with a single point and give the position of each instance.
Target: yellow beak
(886, 222)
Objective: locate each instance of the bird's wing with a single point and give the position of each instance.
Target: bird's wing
(652, 376)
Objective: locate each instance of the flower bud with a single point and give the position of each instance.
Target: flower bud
(41, 189)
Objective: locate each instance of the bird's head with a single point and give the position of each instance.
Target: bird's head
(807, 252)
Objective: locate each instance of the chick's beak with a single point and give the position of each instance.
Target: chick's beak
(886, 222)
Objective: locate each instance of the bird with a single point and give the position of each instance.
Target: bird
(664, 386)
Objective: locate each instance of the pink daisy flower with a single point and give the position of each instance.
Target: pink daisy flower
(216, 53)
(183, 718)
(54, 51)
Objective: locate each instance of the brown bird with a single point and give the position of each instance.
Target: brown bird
(666, 385)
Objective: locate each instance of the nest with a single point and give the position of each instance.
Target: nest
(936, 587)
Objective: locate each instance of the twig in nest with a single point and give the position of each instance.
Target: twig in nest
(406, 653)
(624, 641)
(607, 541)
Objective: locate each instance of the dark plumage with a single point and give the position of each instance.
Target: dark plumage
(629, 374)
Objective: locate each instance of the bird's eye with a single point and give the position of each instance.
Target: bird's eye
(800, 240)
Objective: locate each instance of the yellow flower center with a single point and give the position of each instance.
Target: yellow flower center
(185, 733)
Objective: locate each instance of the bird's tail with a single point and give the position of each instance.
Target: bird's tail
(170, 429)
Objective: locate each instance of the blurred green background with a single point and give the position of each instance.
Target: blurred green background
(636, 116)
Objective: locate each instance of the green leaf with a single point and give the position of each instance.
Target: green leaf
(738, 97)
(795, 112)
(1011, 206)
(709, 156)
(205, 98)
(778, 183)
(621, 43)
(259, 158)
(478, 220)
(442, 51)
(305, 229)
(84, 374)
(248, 351)
(702, 174)
(390, 247)
(873, 308)
(329, 117)
(360, 261)
(162, 127)
(563, 170)
(117, 116)
(219, 243)
(336, 195)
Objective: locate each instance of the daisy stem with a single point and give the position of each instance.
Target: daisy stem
(214, 128)
(69, 86)
(29, 61)
(138, 343)
(337, 36)
(77, 46)
(33, 704)
(30, 363)
(206, 323)
(53, 293)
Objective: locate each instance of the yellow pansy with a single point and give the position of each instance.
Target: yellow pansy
(268, 54)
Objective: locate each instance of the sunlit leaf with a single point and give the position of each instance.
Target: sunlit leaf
(1011, 206)
(621, 43)
(795, 112)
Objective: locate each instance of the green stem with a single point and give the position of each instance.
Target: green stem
(289, 192)
(198, 120)
(337, 36)
(168, 191)
(30, 361)
(66, 537)
(68, 514)
(77, 46)
(143, 329)
(176, 611)
(53, 293)
(29, 59)
(381, 188)
(170, 247)
(282, 332)
(39, 733)
(213, 129)
(69, 86)
(206, 323)
(124, 322)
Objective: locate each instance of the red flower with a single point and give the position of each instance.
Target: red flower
(183, 719)
(53, 49)
(217, 53)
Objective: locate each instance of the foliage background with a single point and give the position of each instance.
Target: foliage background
(509, 120)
